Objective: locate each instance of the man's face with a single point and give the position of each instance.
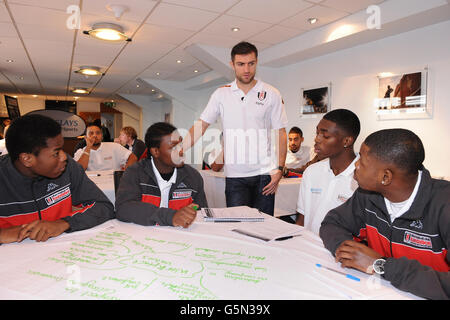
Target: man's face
(368, 170)
(295, 141)
(52, 160)
(171, 150)
(244, 66)
(329, 139)
(95, 133)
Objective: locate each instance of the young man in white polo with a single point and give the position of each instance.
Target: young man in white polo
(249, 110)
(329, 183)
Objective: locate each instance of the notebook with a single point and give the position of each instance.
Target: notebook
(232, 214)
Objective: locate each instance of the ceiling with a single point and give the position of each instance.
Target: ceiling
(45, 52)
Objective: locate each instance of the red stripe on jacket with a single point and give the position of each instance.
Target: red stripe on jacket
(175, 204)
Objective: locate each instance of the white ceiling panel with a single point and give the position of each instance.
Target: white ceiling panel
(154, 35)
(169, 15)
(213, 40)
(223, 25)
(215, 6)
(136, 10)
(324, 15)
(268, 10)
(49, 4)
(7, 30)
(276, 34)
(350, 6)
(4, 15)
(39, 16)
(46, 33)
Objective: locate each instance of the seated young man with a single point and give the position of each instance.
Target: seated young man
(39, 184)
(128, 139)
(297, 155)
(98, 155)
(160, 189)
(400, 212)
(328, 183)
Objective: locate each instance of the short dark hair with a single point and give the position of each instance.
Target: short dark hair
(154, 134)
(29, 134)
(296, 130)
(243, 48)
(400, 147)
(345, 120)
(93, 124)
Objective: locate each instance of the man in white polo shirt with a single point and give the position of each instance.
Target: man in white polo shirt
(249, 110)
(330, 182)
(98, 155)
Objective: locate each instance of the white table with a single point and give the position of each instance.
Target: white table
(104, 179)
(285, 197)
(119, 260)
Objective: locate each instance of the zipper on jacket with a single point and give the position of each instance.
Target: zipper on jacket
(34, 199)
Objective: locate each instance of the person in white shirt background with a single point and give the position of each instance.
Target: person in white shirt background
(3, 149)
(98, 155)
(249, 110)
(330, 182)
(297, 155)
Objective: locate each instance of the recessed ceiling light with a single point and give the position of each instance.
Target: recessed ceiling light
(312, 20)
(235, 29)
(89, 71)
(196, 71)
(80, 90)
(75, 98)
(137, 86)
(34, 95)
(9, 60)
(158, 73)
(21, 78)
(179, 61)
(107, 31)
(14, 96)
(153, 90)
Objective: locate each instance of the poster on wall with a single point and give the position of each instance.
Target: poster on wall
(315, 101)
(13, 107)
(403, 96)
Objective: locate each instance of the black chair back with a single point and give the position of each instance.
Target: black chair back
(117, 176)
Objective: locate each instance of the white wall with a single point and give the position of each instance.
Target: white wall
(353, 74)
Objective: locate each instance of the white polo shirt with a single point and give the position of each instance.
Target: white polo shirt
(298, 159)
(321, 191)
(164, 186)
(109, 156)
(248, 122)
(3, 149)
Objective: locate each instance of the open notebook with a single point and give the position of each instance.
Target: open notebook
(232, 214)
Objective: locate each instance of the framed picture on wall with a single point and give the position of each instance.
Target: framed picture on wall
(403, 96)
(315, 101)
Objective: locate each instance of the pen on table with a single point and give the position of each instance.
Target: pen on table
(226, 221)
(94, 175)
(340, 272)
(287, 237)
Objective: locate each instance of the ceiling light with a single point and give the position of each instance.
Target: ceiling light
(80, 90)
(10, 60)
(312, 20)
(179, 61)
(137, 86)
(153, 90)
(75, 98)
(108, 32)
(158, 73)
(385, 74)
(34, 95)
(235, 29)
(89, 71)
(196, 71)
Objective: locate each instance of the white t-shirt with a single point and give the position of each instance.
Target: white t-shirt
(164, 186)
(321, 191)
(3, 149)
(247, 122)
(298, 159)
(109, 156)
(397, 209)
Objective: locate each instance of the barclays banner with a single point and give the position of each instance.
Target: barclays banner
(71, 124)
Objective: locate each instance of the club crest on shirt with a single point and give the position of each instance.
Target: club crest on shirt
(57, 196)
(417, 240)
(262, 95)
(181, 194)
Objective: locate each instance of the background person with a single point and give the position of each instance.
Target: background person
(128, 139)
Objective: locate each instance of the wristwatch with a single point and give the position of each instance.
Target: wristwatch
(280, 168)
(378, 265)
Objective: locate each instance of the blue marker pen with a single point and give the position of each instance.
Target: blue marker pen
(343, 273)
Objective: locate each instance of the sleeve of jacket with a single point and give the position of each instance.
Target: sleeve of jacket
(343, 223)
(200, 197)
(129, 205)
(95, 206)
(410, 275)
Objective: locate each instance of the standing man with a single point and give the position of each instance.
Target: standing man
(98, 155)
(249, 110)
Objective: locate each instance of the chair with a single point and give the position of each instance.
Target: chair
(117, 177)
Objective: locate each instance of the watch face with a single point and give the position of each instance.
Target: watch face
(378, 266)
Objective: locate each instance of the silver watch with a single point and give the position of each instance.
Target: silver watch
(378, 265)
